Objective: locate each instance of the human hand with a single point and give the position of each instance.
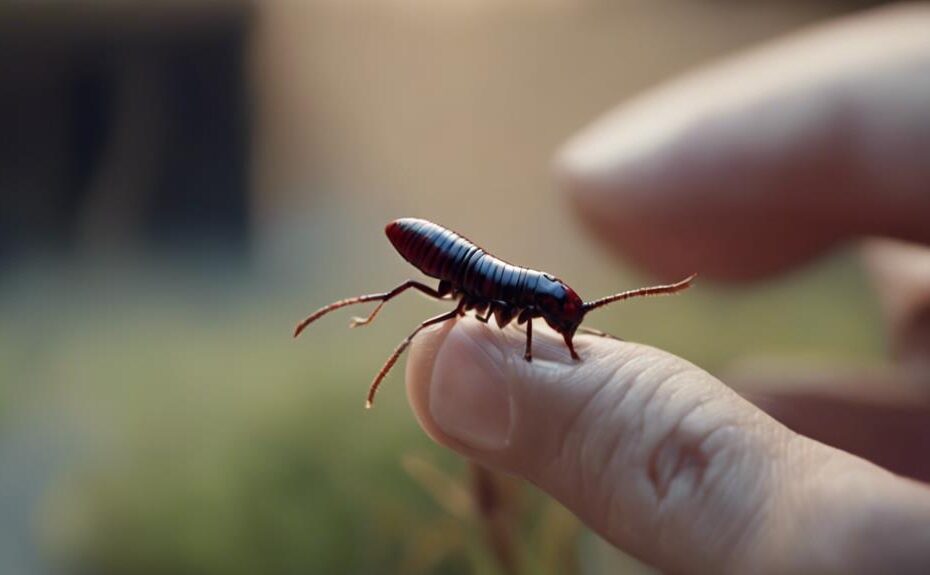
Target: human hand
(739, 171)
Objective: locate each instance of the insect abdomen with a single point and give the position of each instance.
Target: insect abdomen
(445, 255)
(434, 250)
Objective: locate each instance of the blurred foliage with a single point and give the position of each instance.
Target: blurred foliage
(210, 442)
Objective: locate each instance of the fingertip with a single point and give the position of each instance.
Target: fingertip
(470, 397)
(596, 167)
(712, 171)
(419, 372)
(465, 382)
(637, 181)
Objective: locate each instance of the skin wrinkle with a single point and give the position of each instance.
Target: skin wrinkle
(642, 417)
(615, 412)
(587, 448)
(640, 428)
(611, 455)
(739, 556)
(566, 452)
(713, 453)
(574, 439)
(651, 452)
(666, 538)
(600, 474)
(696, 488)
(604, 384)
(753, 542)
(636, 431)
(712, 540)
(752, 545)
(613, 447)
(685, 453)
(612, 510)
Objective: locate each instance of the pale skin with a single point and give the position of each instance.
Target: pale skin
(779, 155)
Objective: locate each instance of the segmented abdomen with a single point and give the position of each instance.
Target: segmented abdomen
(445, 255)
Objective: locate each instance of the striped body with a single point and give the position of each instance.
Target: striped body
(449, 257)
(480, 282)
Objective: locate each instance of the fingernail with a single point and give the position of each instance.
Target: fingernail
(469, 394)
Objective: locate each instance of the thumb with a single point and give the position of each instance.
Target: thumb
(653, 453)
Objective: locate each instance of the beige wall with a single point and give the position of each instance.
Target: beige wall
(453, 109)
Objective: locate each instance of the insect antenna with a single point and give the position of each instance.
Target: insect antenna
(640, 292)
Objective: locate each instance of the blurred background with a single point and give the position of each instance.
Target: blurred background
(180, 182)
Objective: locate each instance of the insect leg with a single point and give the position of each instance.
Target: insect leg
(528, 354)
(382, 297)
(403, 345)
(571, 347)
(438, 294)
(487, 315)
(504, 314)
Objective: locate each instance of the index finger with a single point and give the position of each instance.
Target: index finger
(759, 163)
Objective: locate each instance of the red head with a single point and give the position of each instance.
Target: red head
(561, 307)
(564, 311)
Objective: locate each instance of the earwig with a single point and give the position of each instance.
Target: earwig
(483, 283)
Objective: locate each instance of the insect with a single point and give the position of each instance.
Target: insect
(481, 282)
